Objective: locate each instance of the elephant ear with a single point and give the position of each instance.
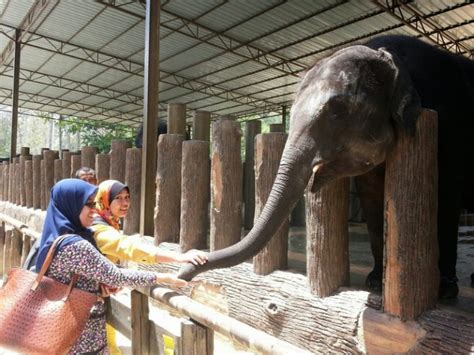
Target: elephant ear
(405, 104)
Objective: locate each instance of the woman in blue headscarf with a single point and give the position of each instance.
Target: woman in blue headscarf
(70, 211)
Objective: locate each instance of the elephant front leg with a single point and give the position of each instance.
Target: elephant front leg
(370, 187)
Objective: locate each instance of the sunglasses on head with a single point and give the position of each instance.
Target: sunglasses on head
(90, 204)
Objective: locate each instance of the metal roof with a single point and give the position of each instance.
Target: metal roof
(85, 58)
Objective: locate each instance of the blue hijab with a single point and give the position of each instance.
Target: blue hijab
(68, 197)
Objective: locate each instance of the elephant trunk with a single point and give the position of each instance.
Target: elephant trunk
(290, 183)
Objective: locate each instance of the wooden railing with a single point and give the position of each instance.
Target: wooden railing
(197, 324)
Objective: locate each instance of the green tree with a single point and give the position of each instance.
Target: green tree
(96, 133)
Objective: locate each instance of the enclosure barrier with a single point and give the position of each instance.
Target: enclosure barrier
(196, 337)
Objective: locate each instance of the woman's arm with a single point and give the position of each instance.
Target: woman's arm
(85, 260)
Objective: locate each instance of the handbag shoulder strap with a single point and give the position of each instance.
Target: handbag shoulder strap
(48, 260)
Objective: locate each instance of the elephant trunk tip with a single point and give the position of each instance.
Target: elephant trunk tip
(187, 272)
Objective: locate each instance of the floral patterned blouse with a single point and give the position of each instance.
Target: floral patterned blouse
(83, 259)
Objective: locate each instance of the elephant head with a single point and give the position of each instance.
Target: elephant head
(342, 124)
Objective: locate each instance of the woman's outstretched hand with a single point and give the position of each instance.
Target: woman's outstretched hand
(194, 256)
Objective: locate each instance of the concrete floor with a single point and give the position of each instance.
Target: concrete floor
(361, 261)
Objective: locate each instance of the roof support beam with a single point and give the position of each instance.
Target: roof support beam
(35, 12)
(15, 91)
(412, 18)
(150, 117)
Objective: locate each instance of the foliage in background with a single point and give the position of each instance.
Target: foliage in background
(96, 133)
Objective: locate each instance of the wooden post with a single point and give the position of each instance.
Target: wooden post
(88, 156)
(29, 183)
(411, 185)
(195, 191)
(102, 167)
(201, 125)
(268, 151)
(66, 161)
(37, 181)
(6, 177)
(118, 154)
(252, 128)
(17, 182)
(168, 188)
(7, 252)
(133, 163)
(140, 323)
(11, 180)
(49, 157)
(196, 339)
(177, 118)
(58, 170)
(25, 248)
(1, 181)
(76, 164)
(226, 183)
(24, 156)
(2, 248)
(327, 238)
(43, 204)
(16, 246)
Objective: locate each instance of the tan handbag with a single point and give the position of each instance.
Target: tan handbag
(39, 315)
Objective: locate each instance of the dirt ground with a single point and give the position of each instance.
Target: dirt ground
(361, 261)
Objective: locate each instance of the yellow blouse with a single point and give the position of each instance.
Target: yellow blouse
(117, 246)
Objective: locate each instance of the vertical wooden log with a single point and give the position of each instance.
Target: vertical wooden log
(29, 183)
(201, 125)
(1, 181)
(43, 203)
(102, 167)
(66, 162)
(16, 241)
(6, 177)
(195, 191)
(58, 170)
(88, 156)
(133, 176)
(17, 182)
(411, 258)
(140, 323)
(177, 118)
(24, 156)
(252, 128)
(226, 184)
(49, 157)
(62, 152)
(7, 252)
(37, 181)
(196, 339)
(327, 238)
(118, 154)
(2, 248)
(268, 151)
(168, 188)
(76, 164)
(25, 248)
(11, 179)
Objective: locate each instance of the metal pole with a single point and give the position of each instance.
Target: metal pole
(150, 116)
(16, 86)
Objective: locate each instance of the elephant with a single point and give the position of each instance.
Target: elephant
(344, 120)
(161, 128)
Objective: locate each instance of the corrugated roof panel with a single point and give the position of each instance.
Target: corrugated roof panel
(132, 83)
(59, 64)
(109, 77)
(85, 71)
(174, 44)
(92, 100)
(191, 56)
(176, 91)
(74, 96)
(29, 87)
(33, 58)
(51, 91)
(70, 17)
(15, 11)
(103, 29)
(129, 42)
